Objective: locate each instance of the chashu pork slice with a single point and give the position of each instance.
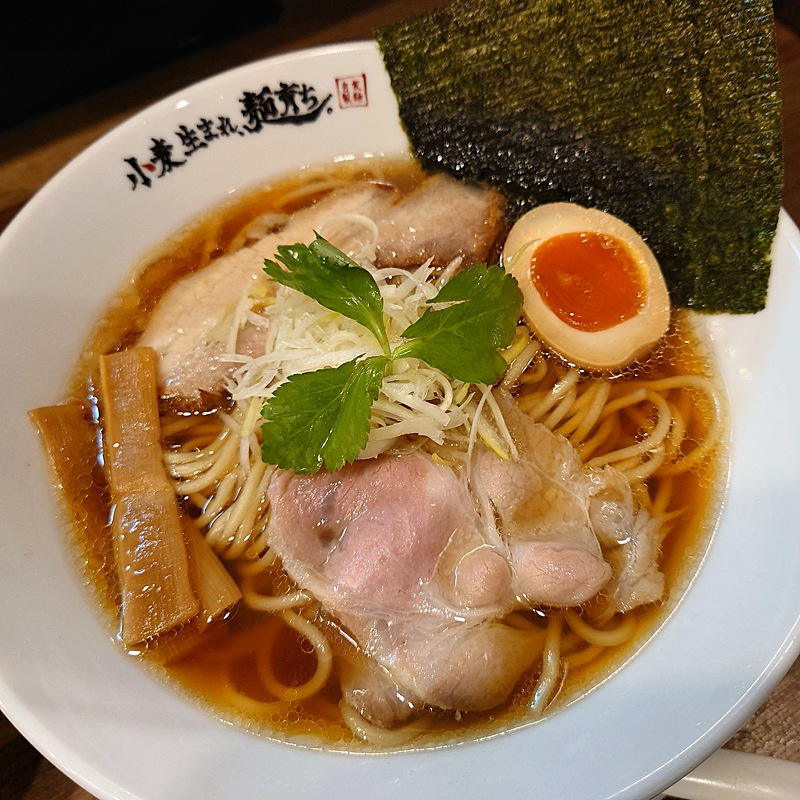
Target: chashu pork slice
(442, 219)
(421, 571)
(190, 329)
(538, 504)
(381, 544)
(631, 539)
(421, 568)
(571, 530)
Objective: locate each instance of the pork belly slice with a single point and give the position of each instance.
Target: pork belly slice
(190, 327)
(397, 550)
(379, 544)
(442, 219)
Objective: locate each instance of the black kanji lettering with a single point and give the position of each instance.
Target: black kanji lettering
(190, 140)
(206, 128)
(308, 97)
(258, 108)
(138, 175)
(287, 94)
(162, 154)
(225, 127)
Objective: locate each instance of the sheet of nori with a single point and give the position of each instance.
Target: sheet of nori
(663, 112)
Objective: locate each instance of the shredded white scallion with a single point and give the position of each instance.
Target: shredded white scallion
(415, 398)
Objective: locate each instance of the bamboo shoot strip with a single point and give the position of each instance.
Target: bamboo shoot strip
(214, 586)
(216, 592)
(150, 547)
(70, 442)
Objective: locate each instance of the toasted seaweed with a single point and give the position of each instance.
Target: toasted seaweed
(665, 113)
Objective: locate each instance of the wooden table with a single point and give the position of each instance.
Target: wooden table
(31, 153)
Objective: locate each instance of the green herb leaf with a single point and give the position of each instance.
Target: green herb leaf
(334, 280)
(321, 417)
(462, 338)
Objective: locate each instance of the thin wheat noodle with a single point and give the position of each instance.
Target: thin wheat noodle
(537, 374)
(677, 432)
(174, 426)
(584, 656)
(246, 505)
(218, 500)
(186, 463)
(258, 556)
(271, 603)
(713, 432)
(201, 440)
(190, 449)
(230, 695)
(599, 399)
(663, 496)
(637, 469)
(551, 667)
(381, 737)
(231, 531)
(608, 429)
(585, 412)
(630, 398)
(216, 534)
(221, 463)
(258, 564)
(558, 391)
(605, 637)
(322, 651)
(561, 409)
(658, 434)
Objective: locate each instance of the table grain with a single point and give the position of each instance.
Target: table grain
(33, 152)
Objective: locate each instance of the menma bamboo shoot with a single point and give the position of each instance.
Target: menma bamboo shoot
(150, 545)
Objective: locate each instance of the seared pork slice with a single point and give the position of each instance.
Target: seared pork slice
(631, 539)
(379, 544)
(442, 219)
(571, 530)
(540, 505)
(190, 329)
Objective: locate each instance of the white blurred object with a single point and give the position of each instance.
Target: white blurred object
(731, 775)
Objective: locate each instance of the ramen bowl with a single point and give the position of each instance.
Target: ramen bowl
(122, 732)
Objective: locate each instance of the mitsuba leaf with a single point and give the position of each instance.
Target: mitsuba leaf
(322, 417)
(334, 280)
(479, 310)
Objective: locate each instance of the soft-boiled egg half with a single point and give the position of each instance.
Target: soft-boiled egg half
(593, 291)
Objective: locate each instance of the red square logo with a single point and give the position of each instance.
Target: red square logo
(352, 91)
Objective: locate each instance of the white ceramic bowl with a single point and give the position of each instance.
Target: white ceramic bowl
(121, 733)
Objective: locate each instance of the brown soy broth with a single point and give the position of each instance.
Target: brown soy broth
(238, 639)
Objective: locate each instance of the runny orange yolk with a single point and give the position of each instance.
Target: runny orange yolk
(588, 280)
